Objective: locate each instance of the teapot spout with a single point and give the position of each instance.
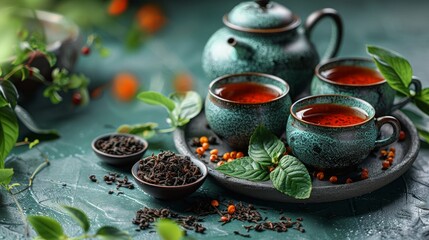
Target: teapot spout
(242, 50)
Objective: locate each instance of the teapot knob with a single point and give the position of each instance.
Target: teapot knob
(262, 3)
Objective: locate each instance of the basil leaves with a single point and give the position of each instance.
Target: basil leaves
(290, 176)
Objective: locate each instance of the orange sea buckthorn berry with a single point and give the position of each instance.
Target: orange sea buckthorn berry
(320, 175)
(220, 163)
(392, 149)
(402, 135)
(224, 219)
(214, 203)
(213, 158)
(349, 180)
(233, 154)
(117, 7)
(383, 153)
(333, 179)
(226, 156)
(200, 150)
(204, 139)
(231, 209)
(390, 159)
(150, 18)
(239, 155)
(214, 152)
(364, 175)
(230, 160)
(205, 146)
(182, 83)
(125, 86)
(391, 154)
(385, 164)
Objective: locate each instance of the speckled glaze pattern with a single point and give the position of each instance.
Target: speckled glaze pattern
(289, 56)
(270, 40)
(235, 122)
(381, 96)
(335, 148)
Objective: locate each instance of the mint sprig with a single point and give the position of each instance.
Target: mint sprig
(290, 177)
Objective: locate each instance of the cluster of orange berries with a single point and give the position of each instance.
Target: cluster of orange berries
(364, 174)
(203, 145)
(230, 210)
(387, 155)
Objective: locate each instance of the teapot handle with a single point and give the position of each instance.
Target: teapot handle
(337, 33)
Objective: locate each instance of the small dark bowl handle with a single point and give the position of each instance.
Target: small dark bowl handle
(417, 89)
(396, 129)
(337, 32)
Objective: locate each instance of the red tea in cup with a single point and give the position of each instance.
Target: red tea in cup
(353, 75)
(333, 115)
(248, 92)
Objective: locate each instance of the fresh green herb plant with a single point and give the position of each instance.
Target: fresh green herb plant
(399, 74)
(181, 108)
(290, 176)
(49, 228)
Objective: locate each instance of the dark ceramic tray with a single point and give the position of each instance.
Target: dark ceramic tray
(323, 191)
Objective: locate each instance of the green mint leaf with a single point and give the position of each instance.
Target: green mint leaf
(395, 69)
(79, 216)
(27, 121)
(6, 175)
(169, 230)
(188, 104)
(51, 58)
(111, 233)
(9, 92)
(292, 178)
(245, 168)
(145, 130)
(422, 100)
(265, 147)
(156, 98)
(9, 130)
(46, 227)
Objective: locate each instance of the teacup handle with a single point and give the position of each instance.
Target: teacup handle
(417, 89)
(337, 33)
(396, 128)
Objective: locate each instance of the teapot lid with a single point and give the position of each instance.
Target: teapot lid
(261, 16)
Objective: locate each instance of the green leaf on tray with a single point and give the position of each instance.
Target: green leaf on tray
(41, 134)
(395, 69)
(156, 98)
(169, 230)
(265, 147)
(111, 233)
(46, 227)
(245, 168)
(6, 175)
(188, 105)
(8, 132)
(79, 216)
(292, 178)
(422, 100)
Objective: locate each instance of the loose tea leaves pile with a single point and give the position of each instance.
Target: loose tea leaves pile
(168, 169)
(111, 178)
(119, 145)
(205, 206)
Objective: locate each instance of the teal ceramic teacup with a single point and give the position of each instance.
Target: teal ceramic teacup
(236, 104)
(358, 77)
(336, 132)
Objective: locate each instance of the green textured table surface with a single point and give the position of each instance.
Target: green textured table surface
(391, 212)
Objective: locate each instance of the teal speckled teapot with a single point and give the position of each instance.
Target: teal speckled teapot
(264, 36)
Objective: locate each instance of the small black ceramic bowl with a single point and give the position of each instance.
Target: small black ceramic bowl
(171, 192)
(127, 158)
